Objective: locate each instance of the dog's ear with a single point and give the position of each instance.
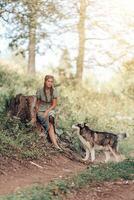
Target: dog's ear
(80, 125)
(85, 124)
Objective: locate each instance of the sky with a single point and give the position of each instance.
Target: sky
(117, 19)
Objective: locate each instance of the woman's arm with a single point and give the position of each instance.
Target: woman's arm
(54, 104)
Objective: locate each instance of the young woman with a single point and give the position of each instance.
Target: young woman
(47, 101)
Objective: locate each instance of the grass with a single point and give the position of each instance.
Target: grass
(95, 173)
(19, 140)
(127, 146)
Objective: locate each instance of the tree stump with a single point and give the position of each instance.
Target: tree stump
(24, 108)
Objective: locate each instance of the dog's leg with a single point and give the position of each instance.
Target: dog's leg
(87, 154)
(117, 148)
(86, 146)
(107, 154)
(92, 154)
(114, 154)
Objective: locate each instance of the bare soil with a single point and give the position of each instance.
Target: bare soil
(18, 174)
(15, 174)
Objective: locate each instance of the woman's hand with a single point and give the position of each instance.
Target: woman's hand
(33, 121)
(46, 113)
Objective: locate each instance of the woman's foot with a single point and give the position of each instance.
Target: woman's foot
(42, 134)
(57, 147)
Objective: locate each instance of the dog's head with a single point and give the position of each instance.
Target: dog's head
(81, 127)
(78, 126)
(121, 136)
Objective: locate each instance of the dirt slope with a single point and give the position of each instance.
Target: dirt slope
(17, 174)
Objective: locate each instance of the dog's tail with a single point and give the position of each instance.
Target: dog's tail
(122, 136)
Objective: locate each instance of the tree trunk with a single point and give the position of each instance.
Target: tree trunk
(24, 108)
(81, 35)
(32, 36)
(31, 50)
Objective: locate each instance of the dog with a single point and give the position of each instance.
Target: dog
(93, 140)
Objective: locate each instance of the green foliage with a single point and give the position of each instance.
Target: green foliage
(18, 139)
(106, 172)
(102, 111)
(128, 78)
(127, 146)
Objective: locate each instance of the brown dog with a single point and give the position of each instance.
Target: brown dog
(93, 140)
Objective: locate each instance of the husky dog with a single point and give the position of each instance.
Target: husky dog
(93, 140)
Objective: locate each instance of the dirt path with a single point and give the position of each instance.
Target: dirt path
(15, 174)
(123, 190)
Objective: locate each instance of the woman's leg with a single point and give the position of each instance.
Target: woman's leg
(43, 121)
(51, 132)
(49, 126)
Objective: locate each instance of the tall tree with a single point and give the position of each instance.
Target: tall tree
(82, 39)
(26, 21)
(32, 26)
(75, 23)
(97, 42)
(65, 65)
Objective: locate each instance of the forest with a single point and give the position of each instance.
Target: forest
(87, 46)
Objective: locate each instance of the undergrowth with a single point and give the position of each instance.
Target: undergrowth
(102, 111)
(19, 140)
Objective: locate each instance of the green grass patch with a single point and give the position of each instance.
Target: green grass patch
(19, 140)
(127, 146)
